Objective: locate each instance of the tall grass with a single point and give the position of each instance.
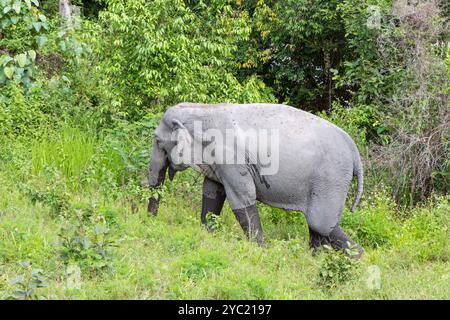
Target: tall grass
(68, 150)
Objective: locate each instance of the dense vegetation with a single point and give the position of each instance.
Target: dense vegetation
(81, 94)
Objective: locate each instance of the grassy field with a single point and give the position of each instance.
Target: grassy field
(73, 225)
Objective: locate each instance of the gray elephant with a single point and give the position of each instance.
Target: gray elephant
(315, 164)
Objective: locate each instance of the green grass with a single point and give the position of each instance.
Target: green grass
(57, 228)
(69, 150)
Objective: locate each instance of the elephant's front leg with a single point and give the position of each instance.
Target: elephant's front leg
(251, 224)
(241, 194)
(212, 200)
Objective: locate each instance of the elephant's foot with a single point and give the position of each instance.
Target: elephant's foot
(249, 220)
(340, 241)
(152, 207)
(317, 241)
(212, 201)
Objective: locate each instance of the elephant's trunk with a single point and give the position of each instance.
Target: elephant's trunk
(158, 168)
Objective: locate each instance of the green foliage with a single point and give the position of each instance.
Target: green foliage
(86, 244)
(202, 264)
(159, 53)
(425, 236)
(213, 222)
(27, 285)
(22, 26)
(305, 40)
(78, 107)
(69, 152)
(337, 268)
(50, 191)
(374, 226)
(363, 123)
(368, 71)
(19, 114)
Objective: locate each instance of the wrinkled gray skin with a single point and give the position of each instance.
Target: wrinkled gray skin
(317, 162)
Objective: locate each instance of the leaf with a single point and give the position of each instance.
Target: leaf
(5, 22)
(7, 9)
(36, 2)
(41, 40)
(37, 26)
(16, 280)
(62, 45)
(19, 72)
(17, 6)
(9, 72)
(32, 55)
(4, 59)
(14, 19)
(25, 264)
(21, 60)
(19, 294)
(36, 272)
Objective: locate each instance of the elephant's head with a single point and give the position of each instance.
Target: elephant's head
(171, 151)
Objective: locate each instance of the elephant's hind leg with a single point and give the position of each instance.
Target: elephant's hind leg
(340, 241)
(212, 200)
(316, 240)
(323, 217)
(337, 239)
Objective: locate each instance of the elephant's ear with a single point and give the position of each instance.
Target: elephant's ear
(183, 139)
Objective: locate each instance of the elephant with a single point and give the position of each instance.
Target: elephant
(315, 164)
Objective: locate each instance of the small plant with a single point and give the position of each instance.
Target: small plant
(213, 222)
(88, 246)
(52, 194)
(27, 284)
(337, 267)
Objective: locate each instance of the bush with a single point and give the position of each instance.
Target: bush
(20, 114)
(337, 268)
(180, 58)
(417, 114)
(85, 240)
(424, 236)
(375, 225)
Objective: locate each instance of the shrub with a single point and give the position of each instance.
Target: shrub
(87, 244)
(20, 114)
(27, 285)
(418, 111)
(337, 268)
(424, 236)
(375, 225)
(50, 191)
(22, 26)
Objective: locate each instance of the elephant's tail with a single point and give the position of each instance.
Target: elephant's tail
(359, 173)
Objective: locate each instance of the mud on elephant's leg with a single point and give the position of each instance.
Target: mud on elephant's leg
(340, 241)
(212, 200)
(251, 224)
